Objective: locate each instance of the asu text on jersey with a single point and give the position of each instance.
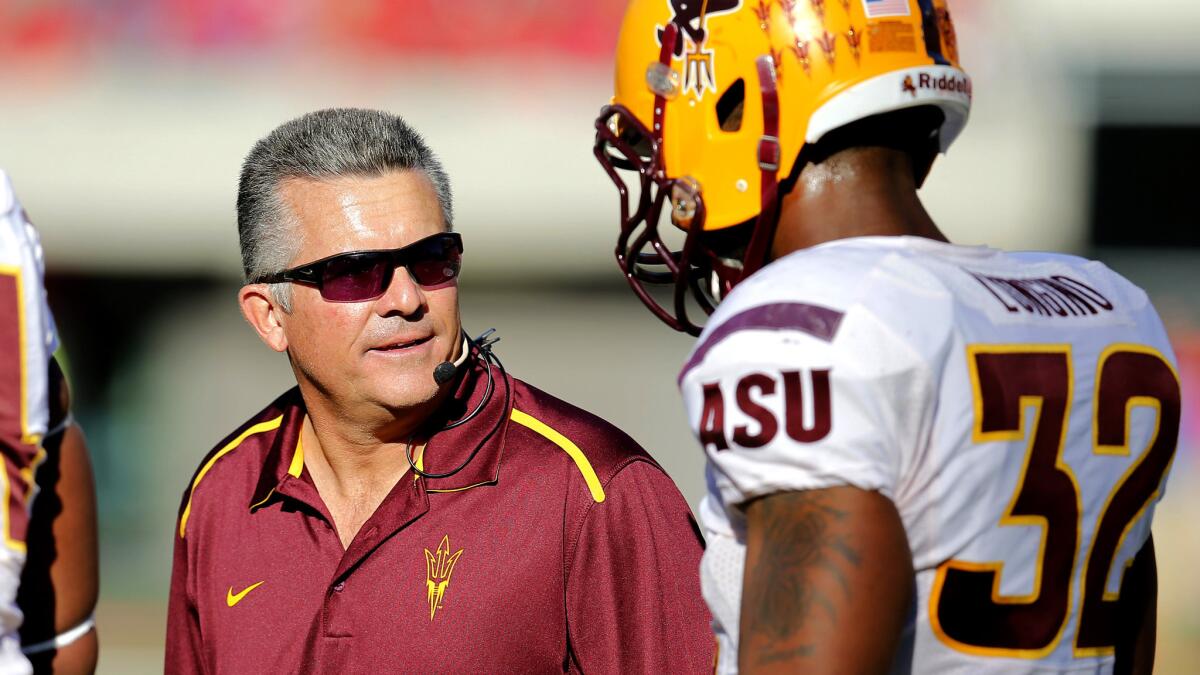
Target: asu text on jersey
(1020, 410)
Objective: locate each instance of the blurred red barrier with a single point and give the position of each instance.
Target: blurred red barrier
(458, 28)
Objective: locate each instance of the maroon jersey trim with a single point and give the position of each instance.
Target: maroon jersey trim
(22, 451)
(13, 345)
(815, 320)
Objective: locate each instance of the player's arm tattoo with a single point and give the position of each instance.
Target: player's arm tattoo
(828, 583)
(799, 541)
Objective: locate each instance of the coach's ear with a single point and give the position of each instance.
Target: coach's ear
(263, 313)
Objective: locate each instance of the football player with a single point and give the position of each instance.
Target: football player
(48, 555)
(922, 457)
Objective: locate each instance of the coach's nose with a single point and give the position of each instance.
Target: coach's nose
(403, 295)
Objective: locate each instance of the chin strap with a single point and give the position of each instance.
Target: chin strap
(768, 164)
(669, 37)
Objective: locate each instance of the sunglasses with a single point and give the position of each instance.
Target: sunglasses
(359, 276)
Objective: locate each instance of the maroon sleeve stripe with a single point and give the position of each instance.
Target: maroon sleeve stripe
(819, 322)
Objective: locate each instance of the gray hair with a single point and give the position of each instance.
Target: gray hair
(320, 145)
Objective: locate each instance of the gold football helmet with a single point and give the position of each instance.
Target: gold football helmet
(716, 99)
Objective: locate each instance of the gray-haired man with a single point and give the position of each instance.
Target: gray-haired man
(409, 506)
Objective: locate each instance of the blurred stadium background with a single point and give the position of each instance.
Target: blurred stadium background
(123, 123)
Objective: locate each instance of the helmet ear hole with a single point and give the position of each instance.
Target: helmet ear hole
(730, 106)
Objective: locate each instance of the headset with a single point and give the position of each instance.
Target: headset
(444, 372)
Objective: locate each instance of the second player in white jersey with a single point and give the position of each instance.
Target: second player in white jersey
(1020, 410)
(27, 342)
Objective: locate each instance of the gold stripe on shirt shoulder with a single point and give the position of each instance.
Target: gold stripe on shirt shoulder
(572, 450)
(229, 447)
(297, 465)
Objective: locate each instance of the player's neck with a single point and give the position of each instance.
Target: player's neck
(857, 192)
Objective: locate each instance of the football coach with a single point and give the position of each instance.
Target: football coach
(409, 506)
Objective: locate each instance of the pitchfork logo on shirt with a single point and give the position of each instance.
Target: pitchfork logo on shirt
(438, 568)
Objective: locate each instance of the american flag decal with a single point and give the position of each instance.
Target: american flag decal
(880, 8)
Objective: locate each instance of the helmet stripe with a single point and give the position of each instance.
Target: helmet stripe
(933, 32)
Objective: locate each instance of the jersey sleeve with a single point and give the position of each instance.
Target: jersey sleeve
(27, 334)
(795, 396)
(27, 342)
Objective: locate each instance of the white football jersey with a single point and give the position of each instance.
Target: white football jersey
(1020, 409)
(27, 342)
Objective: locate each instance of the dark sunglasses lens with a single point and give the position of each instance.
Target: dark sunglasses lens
(355, 278)
(435, 262)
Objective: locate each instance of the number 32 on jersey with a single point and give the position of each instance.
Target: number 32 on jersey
(966, 608)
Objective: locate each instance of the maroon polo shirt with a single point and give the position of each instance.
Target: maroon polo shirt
(560, 547)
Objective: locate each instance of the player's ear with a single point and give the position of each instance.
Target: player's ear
(264, 313)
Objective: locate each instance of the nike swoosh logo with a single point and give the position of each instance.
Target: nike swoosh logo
(232, 599)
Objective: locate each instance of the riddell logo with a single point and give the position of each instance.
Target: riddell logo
(945, 83)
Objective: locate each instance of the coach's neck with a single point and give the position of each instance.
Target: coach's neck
(356, 455)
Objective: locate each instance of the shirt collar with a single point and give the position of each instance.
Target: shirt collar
(446, 449)
(285, 455)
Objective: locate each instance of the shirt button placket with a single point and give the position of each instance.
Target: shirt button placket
(337, 613)
(337, 621)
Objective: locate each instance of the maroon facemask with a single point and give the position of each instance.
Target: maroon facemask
(695, 271)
